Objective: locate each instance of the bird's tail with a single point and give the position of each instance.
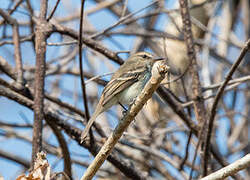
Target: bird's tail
(90, 123)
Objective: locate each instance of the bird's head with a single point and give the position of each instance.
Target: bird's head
(145, 57)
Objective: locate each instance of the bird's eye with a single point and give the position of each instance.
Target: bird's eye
(144, 56)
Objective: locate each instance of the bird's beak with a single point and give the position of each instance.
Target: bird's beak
(159, 58)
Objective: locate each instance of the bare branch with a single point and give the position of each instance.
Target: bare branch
(230, 170)
(41, 36)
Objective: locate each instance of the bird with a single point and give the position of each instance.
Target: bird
(125, 85)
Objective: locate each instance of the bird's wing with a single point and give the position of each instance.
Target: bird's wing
(116, 85)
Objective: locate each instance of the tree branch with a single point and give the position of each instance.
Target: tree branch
(40, 41)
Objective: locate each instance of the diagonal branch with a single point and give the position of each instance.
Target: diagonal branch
(17, 48)
(230, 170)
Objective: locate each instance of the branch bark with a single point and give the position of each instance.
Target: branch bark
(199, 107)
(40, 41)
(230, 170)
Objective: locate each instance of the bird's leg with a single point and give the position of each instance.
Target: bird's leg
(132, 102)
(125, 109)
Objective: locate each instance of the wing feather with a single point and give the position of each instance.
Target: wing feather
(116, 85)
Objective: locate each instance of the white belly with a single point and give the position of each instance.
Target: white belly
(128, 95)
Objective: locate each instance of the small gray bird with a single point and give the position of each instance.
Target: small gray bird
(125, 85)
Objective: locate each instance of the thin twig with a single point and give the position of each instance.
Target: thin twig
(64, 149)
(7, 68)
(12, 10)
(81, 63)
(125, 6)
(54, 10)
(8, 155)
(122, 19)
(97, 77)
(88, 42)
(186, 152)
(17, 48)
